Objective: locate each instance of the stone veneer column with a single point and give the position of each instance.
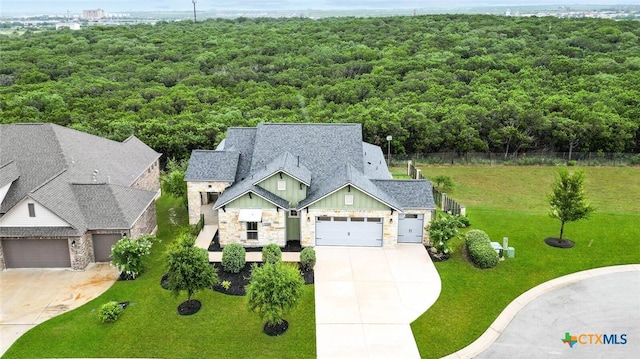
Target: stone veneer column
(82, 252)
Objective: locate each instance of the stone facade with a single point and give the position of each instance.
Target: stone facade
(149, 179)
(81, 251)
(308, 224)
(3, 266)
(146, 224)
(270, 230)
(194, 196)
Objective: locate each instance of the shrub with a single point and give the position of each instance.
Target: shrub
(226, 284)
(271, 253)
(188, 268)
(464, 221)
(110, 311)
(308, 258)
(443, 229)
(233, 258)
(479, 248)
(274, 290)
(129, 255)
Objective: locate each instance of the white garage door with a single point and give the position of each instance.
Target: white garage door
(410, 228)
(349, 231)
(36, 253)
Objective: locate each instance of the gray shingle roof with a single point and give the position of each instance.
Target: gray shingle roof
(212, 166)
(111, 206)
(9, 172)
(51, 159)
(331, 156)
(375, 165)
(410, 194)
(25, 232)
(287, 164)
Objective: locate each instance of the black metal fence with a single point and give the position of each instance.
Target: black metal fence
(524, 158)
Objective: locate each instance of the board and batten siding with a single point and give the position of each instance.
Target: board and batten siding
(294, 191)
(361, 201)
(253, 202)
(18, 216)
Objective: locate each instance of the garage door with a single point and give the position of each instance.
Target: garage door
(102, 245)
(410, 228)
(36, 253)
(346, 231)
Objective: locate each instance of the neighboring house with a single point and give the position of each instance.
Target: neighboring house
(66, 196)
(316, 183)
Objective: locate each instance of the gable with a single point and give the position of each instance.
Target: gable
(294, 191)
(250, 200)
(361, 201)
(19, 216)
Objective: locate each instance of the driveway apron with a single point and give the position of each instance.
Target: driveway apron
(29, 297)
(366, 299)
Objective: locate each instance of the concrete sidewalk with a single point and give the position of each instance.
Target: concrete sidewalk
(367, 297)
(597, 301)
(29, 297)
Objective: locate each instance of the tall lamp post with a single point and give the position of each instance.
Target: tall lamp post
(194, 10)
(389, 138)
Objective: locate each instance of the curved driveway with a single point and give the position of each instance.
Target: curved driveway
(29, 297)
(367, 297)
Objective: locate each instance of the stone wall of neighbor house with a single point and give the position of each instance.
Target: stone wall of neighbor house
(428, 213)
(150, 179)
(194, 196)
(82, 253)
(146, 224)
(270, 230)
(308, 224)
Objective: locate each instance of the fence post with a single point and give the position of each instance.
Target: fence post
(418, 174)
(409, 168)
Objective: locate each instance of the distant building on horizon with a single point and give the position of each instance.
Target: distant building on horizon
(96, 14)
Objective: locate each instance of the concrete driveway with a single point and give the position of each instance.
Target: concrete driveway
(367, 297)
(31, 296)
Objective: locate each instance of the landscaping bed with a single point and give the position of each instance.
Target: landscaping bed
(238, 281)
(291, 246)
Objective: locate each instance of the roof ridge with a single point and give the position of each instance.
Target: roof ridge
(120, 210)
(49, 180)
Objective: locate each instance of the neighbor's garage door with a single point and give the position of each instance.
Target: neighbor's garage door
(102, 245)
(345, 231)
(36, 253)
(410, 228)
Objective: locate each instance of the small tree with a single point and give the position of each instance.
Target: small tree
(274, 289)
(443, 229)
(129, 255)
(567, 199)
(188, 268)
(443, 183)
(172, 180)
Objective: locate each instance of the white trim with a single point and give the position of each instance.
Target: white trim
(242, 194)
(356, 187)
(282, 185)
(348, 200)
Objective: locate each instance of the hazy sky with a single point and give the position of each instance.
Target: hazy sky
(61, 6)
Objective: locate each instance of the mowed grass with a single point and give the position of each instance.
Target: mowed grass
(151, 327)
(511, 202)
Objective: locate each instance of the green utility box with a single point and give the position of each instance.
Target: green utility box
(511, 252)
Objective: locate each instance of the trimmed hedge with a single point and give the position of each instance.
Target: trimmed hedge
(308, 258)
(479, 248)
(233, 258)
(271, 253)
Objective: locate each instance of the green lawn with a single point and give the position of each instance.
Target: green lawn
(511, 201)
(151, 327)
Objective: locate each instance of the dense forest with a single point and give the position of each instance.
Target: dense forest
(448, 82)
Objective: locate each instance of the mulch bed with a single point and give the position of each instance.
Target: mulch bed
(240, 280)
(291, 246)
(275, 330)
(556, 242)
(189, 307)
(435, 256)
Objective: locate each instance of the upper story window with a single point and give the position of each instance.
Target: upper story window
(282, 186)
(32, 209)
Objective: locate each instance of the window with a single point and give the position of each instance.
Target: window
(323, 219)
(339, 219)
(348, 200)
(252, 230)
(282, 186)
(293, 213)
(32, 209)
(357, 219)
(374, 219)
